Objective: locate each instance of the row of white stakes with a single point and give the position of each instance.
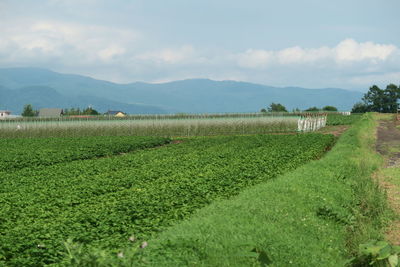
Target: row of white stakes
(310, 124)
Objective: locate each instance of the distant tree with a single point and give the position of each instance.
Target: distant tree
(312, 109)
(329, 108)
(359, 107)
(392, 95)
(90, 111)
(69, 112)
(379, 100)
(296, 110)
(374, 99)
(263, 110)
(78, 111)
(276, 107)
(28, 111)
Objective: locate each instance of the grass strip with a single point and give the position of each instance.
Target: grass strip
(314, 216)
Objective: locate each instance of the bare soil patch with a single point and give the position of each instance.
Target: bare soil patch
(388, 141)
(388, 145)
(336, 130)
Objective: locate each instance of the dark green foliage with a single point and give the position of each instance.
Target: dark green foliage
(378, 253)
(90, 111)
(325, 108)
(338, 119)
(329, 108)
(28, 111)
(277, 107)
(33, 152)
(78, 111)
(379, 100)
(360, 107)
(312, 109)
(100, 203)
(374, 99)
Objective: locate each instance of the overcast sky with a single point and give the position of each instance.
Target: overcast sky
(310, 43)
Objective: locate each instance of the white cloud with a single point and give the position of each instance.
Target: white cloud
(65, 41)
(347, 51)
(291, 55)
(125, 55)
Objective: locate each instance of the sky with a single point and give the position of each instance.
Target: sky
(350, 44)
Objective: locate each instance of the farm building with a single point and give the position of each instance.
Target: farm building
(50, 112)
(115, 113)
(4, 113)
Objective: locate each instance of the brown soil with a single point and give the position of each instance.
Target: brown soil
(388, 144)
(388, 141)
(336, 130)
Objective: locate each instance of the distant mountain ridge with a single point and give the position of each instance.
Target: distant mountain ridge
(47, 97)
(42, 88)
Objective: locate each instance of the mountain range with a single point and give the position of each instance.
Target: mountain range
(45, 88)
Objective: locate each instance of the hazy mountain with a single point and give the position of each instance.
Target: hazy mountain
(200, 95)
(196, 95)
(47, 97)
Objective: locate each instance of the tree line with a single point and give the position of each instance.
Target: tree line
(28, 111)
(375, 100)
(277, 107)
(379, 100)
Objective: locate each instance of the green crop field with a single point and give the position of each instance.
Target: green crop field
(316, 215)
(98, 197)
(208, 190)
(338, 119)
(26, 152)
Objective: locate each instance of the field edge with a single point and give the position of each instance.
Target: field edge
(316, 215)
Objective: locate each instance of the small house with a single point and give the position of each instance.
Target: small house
(114, 113)
(4, 114)
(50, 112)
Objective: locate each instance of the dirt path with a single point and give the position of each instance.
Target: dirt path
(388, 144)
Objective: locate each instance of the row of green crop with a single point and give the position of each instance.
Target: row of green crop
(338, 119)
(20, 153)
(314, 216)
(101, 203)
